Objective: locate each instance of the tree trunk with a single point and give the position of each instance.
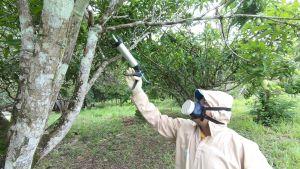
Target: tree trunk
(72, 34)
(56, 132)
(39, 69)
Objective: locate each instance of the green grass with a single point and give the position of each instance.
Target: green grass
(110, 136)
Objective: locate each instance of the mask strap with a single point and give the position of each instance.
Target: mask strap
(215, 109)
(212, 120)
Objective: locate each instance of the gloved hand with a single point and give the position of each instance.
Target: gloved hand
(131, 79)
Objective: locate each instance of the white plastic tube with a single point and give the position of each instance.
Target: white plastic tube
(125, 52)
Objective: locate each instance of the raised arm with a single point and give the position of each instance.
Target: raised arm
(165, 125)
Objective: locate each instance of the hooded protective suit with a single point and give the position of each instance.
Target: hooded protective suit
(224, 149)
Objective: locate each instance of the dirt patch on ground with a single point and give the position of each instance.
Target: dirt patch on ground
(127, 121)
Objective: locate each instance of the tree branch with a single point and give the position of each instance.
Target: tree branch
(109, 12)
(27, 43)
(100, 70)
(90, 18)
(226, 43)
(26, 53)
(9, 93)
(284, 22)
(120, 17)
(26, 29)
(214, 8)
(72, 34)
(74, 27)
(236, 8)
(182, 21)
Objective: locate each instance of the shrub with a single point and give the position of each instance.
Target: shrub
(275, 110)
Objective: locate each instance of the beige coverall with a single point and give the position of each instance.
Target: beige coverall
(224, 149)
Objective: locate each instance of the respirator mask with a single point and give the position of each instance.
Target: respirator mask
(196, 110)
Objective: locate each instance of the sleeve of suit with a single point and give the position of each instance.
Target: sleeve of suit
(165, 125)
(253, 157)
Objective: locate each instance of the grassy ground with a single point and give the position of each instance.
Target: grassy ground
(111, 136)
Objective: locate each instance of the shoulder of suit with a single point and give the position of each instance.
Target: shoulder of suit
(186, 123)
(241, 139)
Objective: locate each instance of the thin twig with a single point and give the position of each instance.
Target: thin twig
(181, 21)
(226, 43)
(284, 22)
(120, 17)
(91, 22)
(109, 12)
(236, 8)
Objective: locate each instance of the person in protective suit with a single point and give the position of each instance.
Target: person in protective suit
(204, 141)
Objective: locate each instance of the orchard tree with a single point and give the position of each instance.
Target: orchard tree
(271, 49)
